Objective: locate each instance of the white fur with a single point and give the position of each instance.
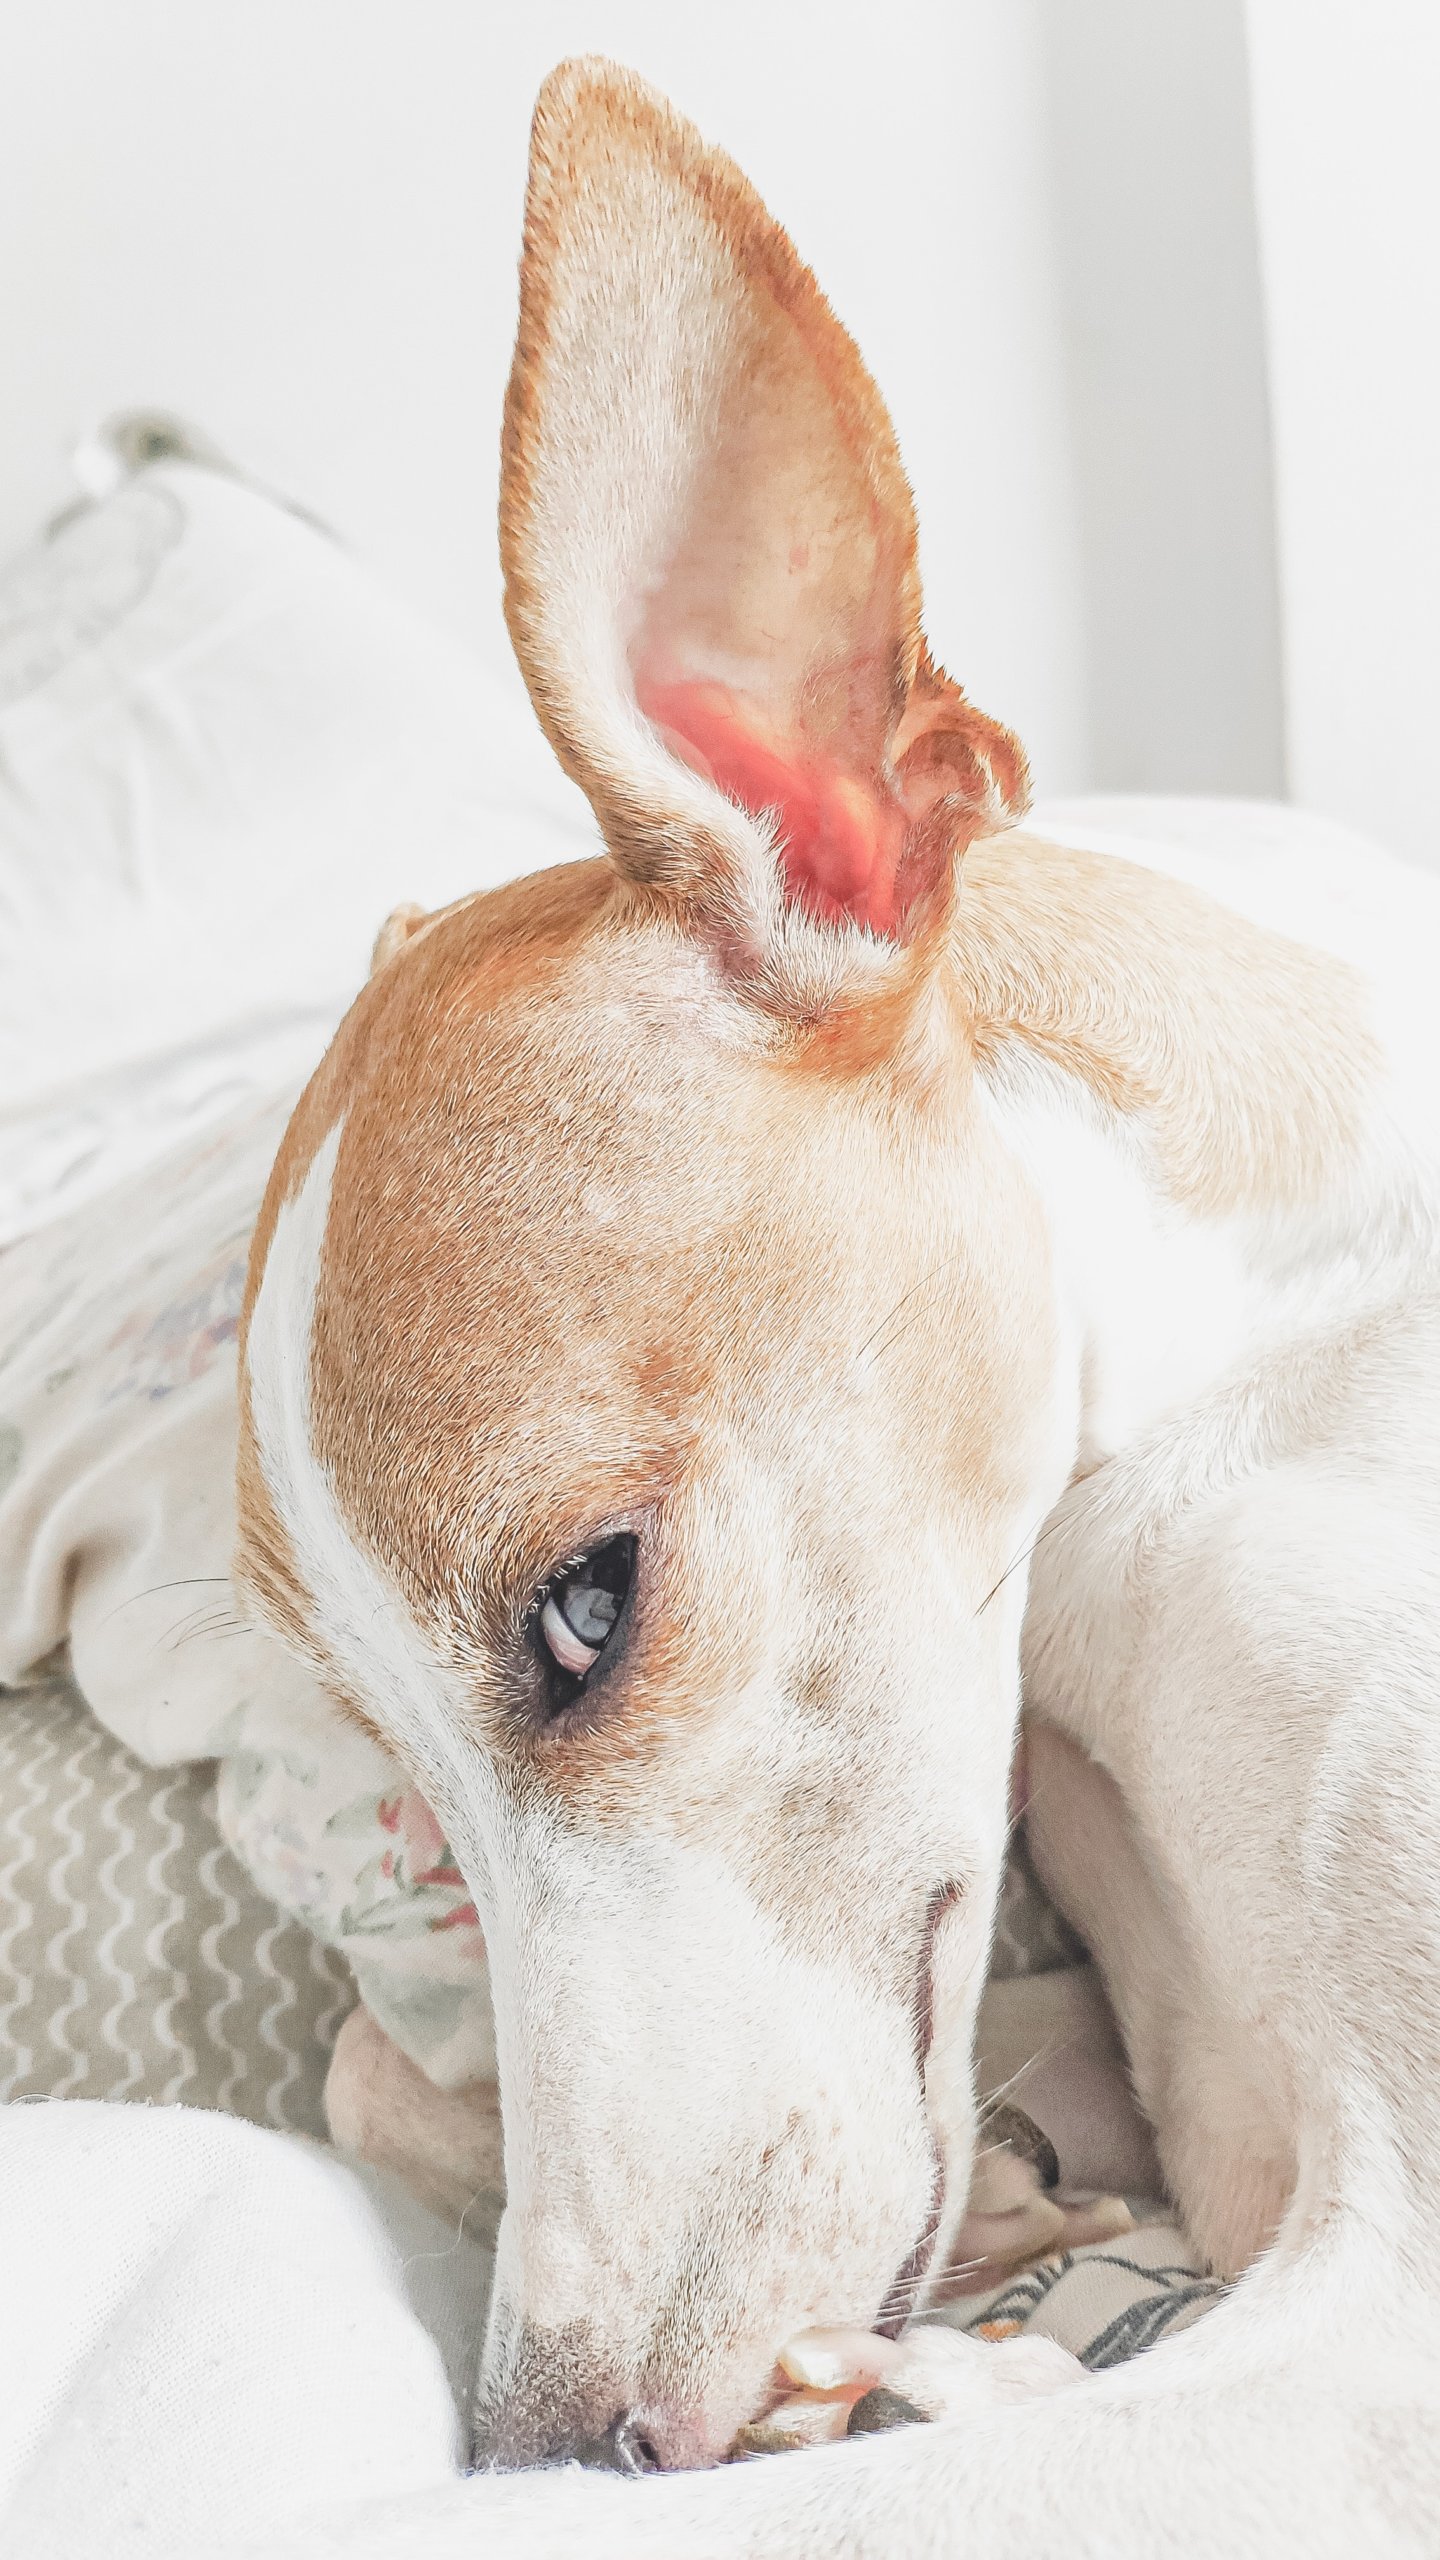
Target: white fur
(1237, 1619)
(369, 1631)
(602, 1951)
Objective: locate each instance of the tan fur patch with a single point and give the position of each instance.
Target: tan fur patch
(593, 1222)
(399, 927)
(1249, 1057)
(553, 1117)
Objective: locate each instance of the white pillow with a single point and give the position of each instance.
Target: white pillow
(225, 753)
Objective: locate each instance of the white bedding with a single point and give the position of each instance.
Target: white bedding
(210, 2334)
(225, 753)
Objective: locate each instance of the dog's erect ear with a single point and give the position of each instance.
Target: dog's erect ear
(400, 926)
(709, 549)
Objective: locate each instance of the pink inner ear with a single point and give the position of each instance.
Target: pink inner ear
(842, 834)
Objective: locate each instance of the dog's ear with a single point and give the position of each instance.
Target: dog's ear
(399, 927)
(709, 550)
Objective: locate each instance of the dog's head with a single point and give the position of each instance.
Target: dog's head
(650, 1357)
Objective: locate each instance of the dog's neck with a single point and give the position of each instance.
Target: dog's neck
(1187, 1090)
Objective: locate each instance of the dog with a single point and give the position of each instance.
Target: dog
(722, 1311)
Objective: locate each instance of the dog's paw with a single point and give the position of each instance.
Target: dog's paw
(849, 2383)
(1019, 2212)
(940, 2375)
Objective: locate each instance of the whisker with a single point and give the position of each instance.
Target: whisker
(432, 2257)
(903, 1302)
(184, 1582)
(1046, 1531)
(933, 2289)
(213, 1629)
(1084, 1499)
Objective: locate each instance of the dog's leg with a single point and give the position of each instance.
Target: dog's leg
(1225, 2145)
(1049, 2042)
(445, 2144)
(1257, 1666)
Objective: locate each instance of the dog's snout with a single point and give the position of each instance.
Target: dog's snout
(559, 2397)
(631, 2443)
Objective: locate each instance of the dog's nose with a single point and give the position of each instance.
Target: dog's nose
(560, 2397)
(624, 2446)
(630, 2443)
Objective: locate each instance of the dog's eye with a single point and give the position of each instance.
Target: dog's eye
(576, 1611)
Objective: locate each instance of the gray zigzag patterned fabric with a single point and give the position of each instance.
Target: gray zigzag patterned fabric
(137, 1960)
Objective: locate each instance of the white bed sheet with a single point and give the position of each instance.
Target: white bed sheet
(212, 2331)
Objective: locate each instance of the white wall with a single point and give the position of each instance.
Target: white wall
(296, 221)
(1347, 108)
(1149, 150)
